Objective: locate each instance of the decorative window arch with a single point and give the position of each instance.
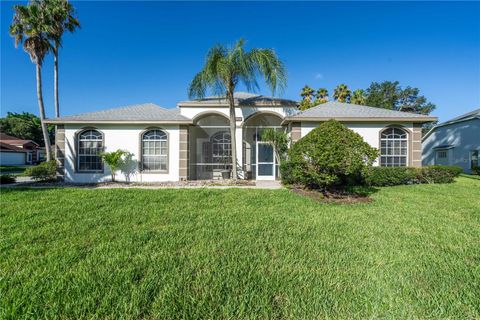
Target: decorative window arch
(394, 147)
(221, 147)
(154, 150)
(90, 145)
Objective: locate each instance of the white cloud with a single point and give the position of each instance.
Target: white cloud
(318, 76)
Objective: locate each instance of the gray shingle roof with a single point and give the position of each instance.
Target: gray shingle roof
(475, 114)
(467, 116)
(241, 99)
(337, 110)
(147, 112)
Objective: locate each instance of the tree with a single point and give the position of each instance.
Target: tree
(61, 18)
(390, 95)
(306, 94)
(383, 95)
(25, 126)
(226, 67)
(410, 100)
(30, 27)
(358, 97)
(278, 140)
(114, 160)
(342, 93)
(321, 96)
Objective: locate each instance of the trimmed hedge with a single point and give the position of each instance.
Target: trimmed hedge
(7, 179)
(45, 171)
(393, 176)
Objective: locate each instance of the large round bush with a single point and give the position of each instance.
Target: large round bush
(329, 156)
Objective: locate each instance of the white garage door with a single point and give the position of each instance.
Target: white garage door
(12, 158)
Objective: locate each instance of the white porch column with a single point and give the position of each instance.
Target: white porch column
(239, 147)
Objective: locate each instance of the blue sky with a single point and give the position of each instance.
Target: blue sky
(135, 52)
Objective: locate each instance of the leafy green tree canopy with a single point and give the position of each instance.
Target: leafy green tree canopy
(25, 126)
(390, 95)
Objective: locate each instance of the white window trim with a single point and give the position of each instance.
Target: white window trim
(395, 139)
(166, 156)
(78, 155)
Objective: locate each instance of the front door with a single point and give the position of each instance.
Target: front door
(265, 161)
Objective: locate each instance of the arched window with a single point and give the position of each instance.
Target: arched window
(90, 145)
(393, 148)
(154, 150)
(221, 148)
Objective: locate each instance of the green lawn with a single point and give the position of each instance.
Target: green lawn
(12, 169)
(414, 252)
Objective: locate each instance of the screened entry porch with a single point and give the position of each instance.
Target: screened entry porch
(210, 148)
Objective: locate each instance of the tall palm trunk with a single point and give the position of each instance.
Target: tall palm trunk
(233, 125)
(55, 80)
(46, 137)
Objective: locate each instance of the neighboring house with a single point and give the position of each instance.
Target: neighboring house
(15, 151)
(455, 142)
(193, 141)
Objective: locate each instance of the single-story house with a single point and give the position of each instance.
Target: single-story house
(454, 142)
(193, 141)
(17, 152)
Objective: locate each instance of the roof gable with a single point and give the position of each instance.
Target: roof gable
(345, 111)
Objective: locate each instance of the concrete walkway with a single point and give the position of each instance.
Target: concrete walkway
(274, 184)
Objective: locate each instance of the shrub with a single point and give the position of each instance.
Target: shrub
(114, 160)
(45, 171)
(329, 156)
(438, 174)
(391, 176)
(7, 178)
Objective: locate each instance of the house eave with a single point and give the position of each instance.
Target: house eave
(226, 105)
(54, 121)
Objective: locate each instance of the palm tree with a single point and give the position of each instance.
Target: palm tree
(342, 93)
(226, 67)
(306, 95)
(307, 92)
(60, 19)
(358, 97)
(321, 96)
(29, 27)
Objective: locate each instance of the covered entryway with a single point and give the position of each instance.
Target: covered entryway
(259, 161)
(210, 148)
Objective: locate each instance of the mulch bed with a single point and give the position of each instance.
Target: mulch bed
(340, 197)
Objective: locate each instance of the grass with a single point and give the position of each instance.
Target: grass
(13, 170)
(414, 252)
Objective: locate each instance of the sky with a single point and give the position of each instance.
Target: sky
(136, 52)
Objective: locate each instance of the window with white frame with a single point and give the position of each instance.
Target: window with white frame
(441, 154)
(393, 148)
(90, 145)
(154, 150)
(221, 148)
